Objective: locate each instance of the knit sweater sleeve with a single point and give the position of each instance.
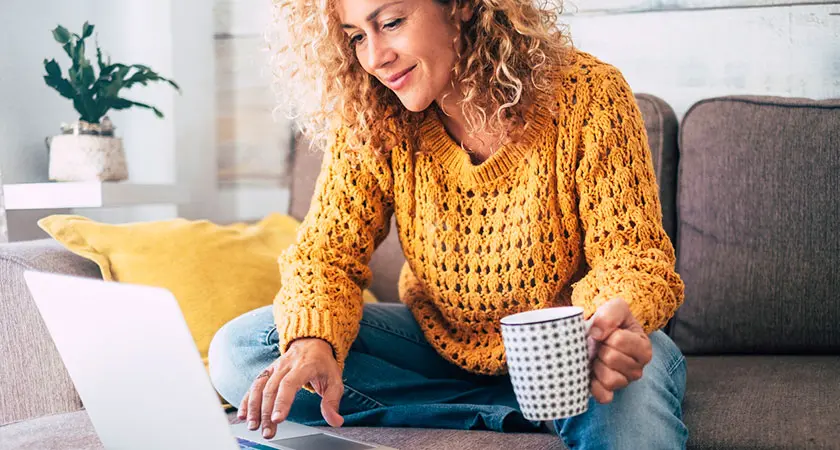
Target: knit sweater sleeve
(626, 248)
(324, 273)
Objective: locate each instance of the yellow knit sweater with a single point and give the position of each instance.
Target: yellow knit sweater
(569, 215)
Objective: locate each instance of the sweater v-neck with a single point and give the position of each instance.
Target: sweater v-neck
(457, 160)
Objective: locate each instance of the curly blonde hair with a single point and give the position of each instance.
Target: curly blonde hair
(512, 46)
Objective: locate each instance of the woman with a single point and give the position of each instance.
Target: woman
(518, 171)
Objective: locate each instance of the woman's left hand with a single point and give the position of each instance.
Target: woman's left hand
(618, 347)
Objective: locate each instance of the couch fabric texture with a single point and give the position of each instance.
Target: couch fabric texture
(29, 358)
(759, 213)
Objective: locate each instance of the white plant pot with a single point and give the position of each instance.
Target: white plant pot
(82, 157)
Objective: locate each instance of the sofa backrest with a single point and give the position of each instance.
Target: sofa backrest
(661, 126)
(758, 209)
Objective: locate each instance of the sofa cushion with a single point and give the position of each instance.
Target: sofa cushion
(758, 214)
(22, 377)
(74, 431)
(767, 402)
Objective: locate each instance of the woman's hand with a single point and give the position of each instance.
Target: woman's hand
(270, 398)
(618, 348)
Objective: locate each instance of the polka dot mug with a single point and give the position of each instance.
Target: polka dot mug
(548, 362)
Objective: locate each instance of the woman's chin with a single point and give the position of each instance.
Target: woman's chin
(414, 104)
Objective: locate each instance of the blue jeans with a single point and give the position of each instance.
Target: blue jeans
(394, 378)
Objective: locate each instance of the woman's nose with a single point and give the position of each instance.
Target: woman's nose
(379, 53)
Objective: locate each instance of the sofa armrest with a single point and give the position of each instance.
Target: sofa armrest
(33, 380)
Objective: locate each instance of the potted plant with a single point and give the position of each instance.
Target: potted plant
(87, 150)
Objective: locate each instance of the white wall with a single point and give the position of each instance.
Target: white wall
(687, 50)
(253, 144)
(173, 37)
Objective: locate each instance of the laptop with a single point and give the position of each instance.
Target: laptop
(138, 372)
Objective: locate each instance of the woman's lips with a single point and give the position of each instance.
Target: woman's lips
(401, 81)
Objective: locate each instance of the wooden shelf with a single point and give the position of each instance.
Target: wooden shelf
(61, 195)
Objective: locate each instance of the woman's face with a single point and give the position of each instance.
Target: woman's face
(406, 44)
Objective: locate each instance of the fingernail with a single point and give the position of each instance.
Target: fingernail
(252, 425)
(266, 432)
(595, 332)
(275, 416)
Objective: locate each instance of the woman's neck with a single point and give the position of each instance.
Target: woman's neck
(480, 145)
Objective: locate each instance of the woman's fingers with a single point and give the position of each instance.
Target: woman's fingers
(242, 413)
(620, 362)
(255, 398)
(631, 343)
(608, 378)
(268, 396)
(288, 388)
(601, 394)
(330, 400)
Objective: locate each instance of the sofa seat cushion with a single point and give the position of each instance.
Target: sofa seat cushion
(767, 402)
(74, 431)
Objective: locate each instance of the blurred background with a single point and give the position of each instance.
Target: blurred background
(225, 153)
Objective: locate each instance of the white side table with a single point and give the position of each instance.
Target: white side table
(61, 195)
(72, 195)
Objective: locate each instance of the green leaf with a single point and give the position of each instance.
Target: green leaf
(102, 66)
(88, 77)
(61, 85)
(146, 75)
(61, 35)
(54, 80)
(83, 113)
(122, 103)
(52, 68)
(87, 30)
(75, 78)
(68, 49)
(174, 85)
(79, 54)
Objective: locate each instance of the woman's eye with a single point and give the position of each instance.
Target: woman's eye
(392, 24)
(355, 39)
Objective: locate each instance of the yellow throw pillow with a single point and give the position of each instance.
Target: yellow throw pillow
(216, 272)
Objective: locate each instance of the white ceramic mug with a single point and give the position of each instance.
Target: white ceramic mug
(548, 361)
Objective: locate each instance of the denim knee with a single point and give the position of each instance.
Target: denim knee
(646, 414)
(239, 351)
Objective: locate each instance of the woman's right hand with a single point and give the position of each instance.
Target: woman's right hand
(308, 360)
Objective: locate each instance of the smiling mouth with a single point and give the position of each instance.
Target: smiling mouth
(400, 81)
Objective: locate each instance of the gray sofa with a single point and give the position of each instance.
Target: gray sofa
(749, 192)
